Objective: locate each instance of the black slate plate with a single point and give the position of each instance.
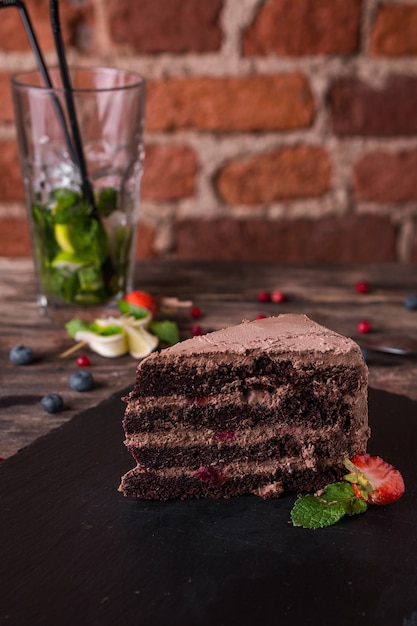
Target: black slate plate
(74, 551)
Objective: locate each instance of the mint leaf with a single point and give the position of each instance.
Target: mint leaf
(312, 512)
(65, 198)
(105, 331)
(336, 500)
(74, 326)
(343, 493)
(357, 505)
(166, 331)
(337, 491)
(106, 201)
(138, 312)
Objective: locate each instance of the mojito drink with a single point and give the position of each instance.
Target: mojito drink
(82, 254)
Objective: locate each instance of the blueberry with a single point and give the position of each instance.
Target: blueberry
(21, 355)
(52, 403)
(81, 381)
(410, 301)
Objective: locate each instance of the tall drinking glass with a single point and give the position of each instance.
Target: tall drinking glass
(83, 244)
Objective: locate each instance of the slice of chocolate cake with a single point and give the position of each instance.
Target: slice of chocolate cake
(263, 407)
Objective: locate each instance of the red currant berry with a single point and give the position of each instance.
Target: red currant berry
(264, 296)
(364, 327)
(224, 435)
(362, 287)
(1, 459)
(261, 316)
(83, 361)
(196, 330)
(277, 296)
(209, 474)
(196, 312)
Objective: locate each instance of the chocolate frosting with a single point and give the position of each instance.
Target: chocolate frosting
(291, 333)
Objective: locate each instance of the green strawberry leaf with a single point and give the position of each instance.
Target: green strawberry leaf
(166, 331)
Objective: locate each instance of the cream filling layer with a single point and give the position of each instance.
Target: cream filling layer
(237, 469)
(187, 437)
(260, 391)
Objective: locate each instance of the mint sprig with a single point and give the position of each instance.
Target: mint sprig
(166, 330)
(76, 325)
(328, 507)
(138, 312)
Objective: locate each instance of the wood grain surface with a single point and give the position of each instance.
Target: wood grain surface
(227, 293)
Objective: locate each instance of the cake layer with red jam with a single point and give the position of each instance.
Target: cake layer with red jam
(265, 407)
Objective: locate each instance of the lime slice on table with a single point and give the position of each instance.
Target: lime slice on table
(134, 322)
(110, 346)
(114, 337)
(140, 341)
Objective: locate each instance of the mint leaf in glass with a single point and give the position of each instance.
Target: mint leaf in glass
(106, 201)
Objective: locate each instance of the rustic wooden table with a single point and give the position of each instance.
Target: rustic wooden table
(226, 292)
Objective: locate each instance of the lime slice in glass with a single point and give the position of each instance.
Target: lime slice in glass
(67, 261)
(63, 237)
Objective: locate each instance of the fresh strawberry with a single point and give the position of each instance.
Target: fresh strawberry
(374, 480)
(142, 299)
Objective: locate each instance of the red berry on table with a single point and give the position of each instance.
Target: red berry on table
(362, 286)
(83, 361)
(196, 312)
(261, 316)
(277, 296)
(364, 327)
(196, 330)
(264, 296)
(1, 459)
(374, 480)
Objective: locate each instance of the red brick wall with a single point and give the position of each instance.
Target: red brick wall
(276, 129)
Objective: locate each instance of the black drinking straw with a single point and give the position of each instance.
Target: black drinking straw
(24, 15)
(72, 115)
